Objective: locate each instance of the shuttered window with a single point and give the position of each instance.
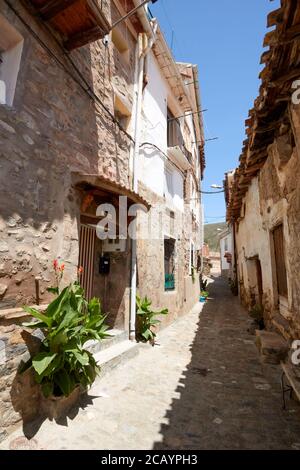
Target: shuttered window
(278, 238)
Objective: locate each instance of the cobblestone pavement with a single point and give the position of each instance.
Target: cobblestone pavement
(203, 387)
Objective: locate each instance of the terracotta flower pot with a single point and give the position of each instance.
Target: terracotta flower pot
(56, 407)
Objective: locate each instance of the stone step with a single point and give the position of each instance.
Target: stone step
(281, 325)
(116, 336)
(117, 354)
(273, 347)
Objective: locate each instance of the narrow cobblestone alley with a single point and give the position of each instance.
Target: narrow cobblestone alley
(202, 387)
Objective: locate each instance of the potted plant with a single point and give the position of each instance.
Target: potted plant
(62, 367)
(256, 313)
(204, 296)
(147, 319)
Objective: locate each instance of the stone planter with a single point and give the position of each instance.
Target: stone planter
(56, 407)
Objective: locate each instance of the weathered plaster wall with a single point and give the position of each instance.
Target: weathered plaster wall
(253, 240)
(279, 196)
(226, 245)
(273, 198)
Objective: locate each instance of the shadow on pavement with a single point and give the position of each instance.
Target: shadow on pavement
(228, 398)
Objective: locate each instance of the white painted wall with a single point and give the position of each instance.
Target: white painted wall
(152, 163)
(226, 245)
(154, 129)
(254, 240)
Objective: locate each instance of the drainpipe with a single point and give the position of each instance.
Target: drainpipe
(144, 45)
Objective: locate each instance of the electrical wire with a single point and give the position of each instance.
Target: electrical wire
(88, 90)
(174, 37)
(150, 144)
(212, 192)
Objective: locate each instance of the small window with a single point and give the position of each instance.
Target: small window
(279, 252)
(11, 45)
(169, 254)
(120, 44)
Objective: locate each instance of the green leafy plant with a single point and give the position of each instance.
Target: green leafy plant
(59, 270)
(205, 293)
(69, 321)
(147, 320)
(257, 313)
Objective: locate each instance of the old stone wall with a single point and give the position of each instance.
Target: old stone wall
(53, 129)
(272, 199)
(151, 270)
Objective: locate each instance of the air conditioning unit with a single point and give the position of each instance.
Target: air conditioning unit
(114, 245)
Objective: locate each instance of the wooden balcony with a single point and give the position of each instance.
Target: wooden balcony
(79, 22)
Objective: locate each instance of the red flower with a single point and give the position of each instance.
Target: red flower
(80, 270)
(55, 264)
(62, 267)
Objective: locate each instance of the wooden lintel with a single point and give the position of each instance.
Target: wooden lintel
(85, 37)
(53, 7)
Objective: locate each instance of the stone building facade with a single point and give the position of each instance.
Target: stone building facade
(263, 202)
(68, 108)
(170, 173)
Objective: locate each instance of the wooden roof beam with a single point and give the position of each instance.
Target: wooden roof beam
(271, 38)
(82, 38)
(275, 17)
(53, 7)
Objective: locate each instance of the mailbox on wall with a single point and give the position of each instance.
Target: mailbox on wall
(104, 265)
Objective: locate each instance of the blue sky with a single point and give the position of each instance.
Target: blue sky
(225, 39)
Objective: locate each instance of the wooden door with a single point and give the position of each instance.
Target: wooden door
(87, 258)
(279, 252)
(259, 281)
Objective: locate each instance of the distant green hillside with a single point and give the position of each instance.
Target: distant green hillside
(211, 235)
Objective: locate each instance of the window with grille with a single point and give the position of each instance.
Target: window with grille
(169, 255)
